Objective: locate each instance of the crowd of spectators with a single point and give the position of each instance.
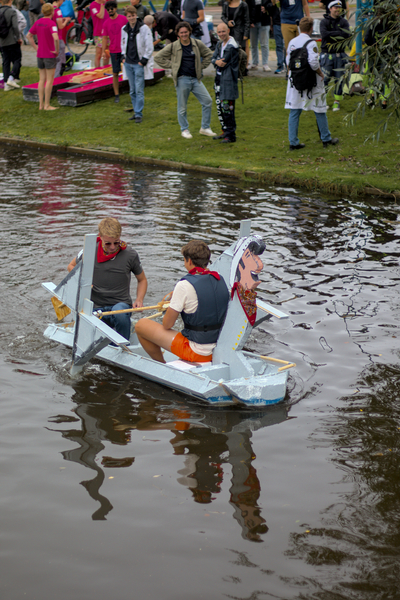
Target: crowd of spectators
(128, 37)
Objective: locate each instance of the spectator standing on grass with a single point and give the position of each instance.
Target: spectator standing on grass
(345, 7)
(186, 58)
(99, 17)
(137, 50)
(10, 47)
(35, 8)
(235, 14)
(61, 23)
(142, 11)
(259, 32)
(47, 50)
(193, 13)
(312, 99)
(333, 60)
(112, 38)
(164, 24)
(292, 11)
(226, 62)
(23, 6)
(275, 15)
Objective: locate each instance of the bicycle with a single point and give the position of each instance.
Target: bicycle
(80, 34)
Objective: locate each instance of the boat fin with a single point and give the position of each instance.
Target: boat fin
(91, 335)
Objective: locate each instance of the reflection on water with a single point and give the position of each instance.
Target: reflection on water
(315, 480)
(208, 438)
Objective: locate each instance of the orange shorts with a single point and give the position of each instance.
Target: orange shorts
(180, 346)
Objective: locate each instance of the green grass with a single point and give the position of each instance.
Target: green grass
(262, 144)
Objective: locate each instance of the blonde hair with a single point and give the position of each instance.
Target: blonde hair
(149, 20)
(306, 24)
(130, 10)
(110, 227)
(47, 9)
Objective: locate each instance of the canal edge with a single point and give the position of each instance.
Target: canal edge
(265, 177)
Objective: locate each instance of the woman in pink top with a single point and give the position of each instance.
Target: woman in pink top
(47, 50)
(112, 37)
(99, 16)
(61, 22)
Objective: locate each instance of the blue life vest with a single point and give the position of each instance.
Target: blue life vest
(204, 325)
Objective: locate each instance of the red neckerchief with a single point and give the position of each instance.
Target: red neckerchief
(102, 256)
(202, 271)
(247, 299)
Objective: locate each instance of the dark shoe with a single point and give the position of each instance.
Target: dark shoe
(384, 105)
(132, 118)
(227, 141)
(298, 147)
(219, 137)
(116, 99)
(138, 119)
(331, 142)
(279, 70)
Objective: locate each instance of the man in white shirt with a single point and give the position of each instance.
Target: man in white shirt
(201, 298)
(313, 99)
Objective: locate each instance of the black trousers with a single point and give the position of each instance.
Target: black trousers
(225, 112)
(11, 55)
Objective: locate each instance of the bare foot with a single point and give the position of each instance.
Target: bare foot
(40, 107)
(51, 107)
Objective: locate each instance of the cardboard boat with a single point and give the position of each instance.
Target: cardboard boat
(233, 377)
(70, 92)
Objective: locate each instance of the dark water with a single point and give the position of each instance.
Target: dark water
(113, 487)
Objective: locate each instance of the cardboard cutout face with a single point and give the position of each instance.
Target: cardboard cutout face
(249, 268)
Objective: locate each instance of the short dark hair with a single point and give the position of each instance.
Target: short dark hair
(181, 25)
(198, 252)
(110, 4)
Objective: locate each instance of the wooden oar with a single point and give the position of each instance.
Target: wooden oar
(61, 309)
(287, 365)
(161, 306)
(157, 314)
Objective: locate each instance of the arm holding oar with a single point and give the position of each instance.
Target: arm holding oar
(114, 264)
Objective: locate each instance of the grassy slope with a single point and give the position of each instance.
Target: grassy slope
(262, 144)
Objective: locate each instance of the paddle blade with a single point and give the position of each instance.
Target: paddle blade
(61, 309)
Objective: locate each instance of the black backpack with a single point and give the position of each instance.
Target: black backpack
(4, 27)
(302, 76)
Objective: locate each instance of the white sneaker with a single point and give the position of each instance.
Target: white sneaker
(186, 134)
(207, 131)
(8, 88)
(13, 84)
(266, 68)
(250, 67)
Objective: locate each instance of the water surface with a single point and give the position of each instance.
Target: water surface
(114, 487)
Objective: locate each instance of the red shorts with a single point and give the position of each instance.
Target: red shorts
(180, 346)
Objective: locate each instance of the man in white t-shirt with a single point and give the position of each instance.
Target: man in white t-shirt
(201, 298)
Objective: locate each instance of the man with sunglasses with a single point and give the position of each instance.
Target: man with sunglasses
(112, 37)
(115, 261)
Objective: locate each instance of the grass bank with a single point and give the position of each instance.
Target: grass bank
(352, 167)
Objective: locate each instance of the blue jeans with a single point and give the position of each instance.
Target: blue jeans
(322, 122)
(121, 323)
(28, 24)
(135, 74)
(280, 47)
(184, 86)
(259, 33)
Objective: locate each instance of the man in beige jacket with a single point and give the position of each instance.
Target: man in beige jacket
(186, 58)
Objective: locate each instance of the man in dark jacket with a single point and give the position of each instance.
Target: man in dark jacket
(164, 23)
(226, 61)
(10, 47)
(334, 28)
(141, 11)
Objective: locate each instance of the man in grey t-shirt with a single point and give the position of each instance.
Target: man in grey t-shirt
(193, 13)
(115, 261)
